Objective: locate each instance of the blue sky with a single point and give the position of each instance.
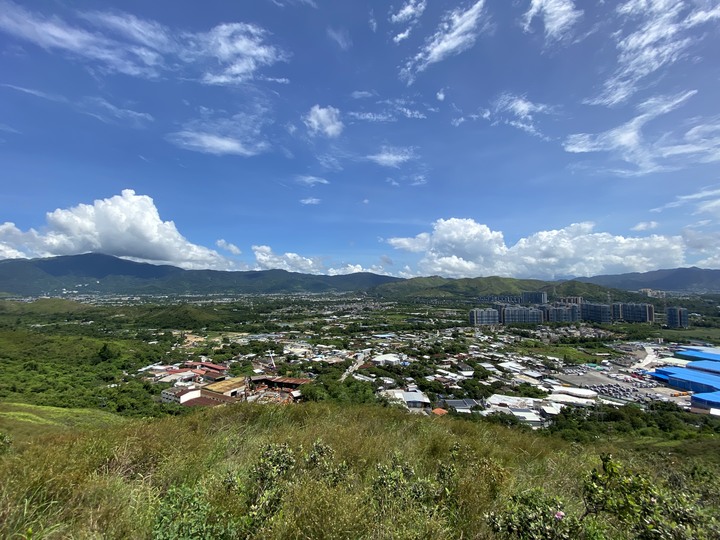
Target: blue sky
(532, 138)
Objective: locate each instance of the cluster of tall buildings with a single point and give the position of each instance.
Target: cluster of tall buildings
(571, 309)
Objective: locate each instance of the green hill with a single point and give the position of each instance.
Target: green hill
(469, 289)
(325, 471)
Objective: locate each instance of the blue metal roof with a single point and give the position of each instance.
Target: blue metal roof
(691, 375)
(699, 354)
(708, 399)
(705, 365)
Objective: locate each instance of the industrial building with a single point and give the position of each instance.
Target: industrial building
(701, 376)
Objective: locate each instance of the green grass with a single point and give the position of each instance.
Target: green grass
(88, 482)
(24, 422)
(711, 335)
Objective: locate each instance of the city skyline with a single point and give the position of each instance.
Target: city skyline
(542, 138)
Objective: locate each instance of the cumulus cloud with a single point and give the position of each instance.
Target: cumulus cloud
(455, 34)
(558, 16)
(665, 34)
(464, 248)
(391, 156)
(440, 95)
(408, 14)
(125, 225)
(266, 259)
(667, 151)
(324, 120)
(232, 248)
(226, 54)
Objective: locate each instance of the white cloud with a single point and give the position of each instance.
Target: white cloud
(464, 248)
(372, 117)
(308, 180)
(218, 134)
(402, 36)
(440, 95)
(310, 201)
(232, 248)
(665, 34)
(390, 156)
(559, 16)
(518, 112)
(36, 93)
(645, 226)
(707, 200)
(266, 259)
(226, 54)
(455, 34)
(125, 225)
(410, 11)
(325, 120)
(8, 129)
(239, 48)
(362, 94)
(341, 37)
(372, 21)
(105, 111)
(629, 143)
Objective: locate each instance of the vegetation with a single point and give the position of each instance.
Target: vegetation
(320, 471)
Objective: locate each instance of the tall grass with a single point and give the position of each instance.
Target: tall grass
(123, 481)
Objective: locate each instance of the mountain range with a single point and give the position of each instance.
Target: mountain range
(95, 273)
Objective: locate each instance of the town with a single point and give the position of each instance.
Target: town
(522, 358)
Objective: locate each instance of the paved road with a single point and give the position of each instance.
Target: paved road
(354, 367)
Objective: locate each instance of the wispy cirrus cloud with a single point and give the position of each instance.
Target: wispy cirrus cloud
(646, 154)
(340, 37)
(311, 181)
(97, 107)
(310, 201)
(392, 156)
(519, 112)
(645, 226)
(558, 16)
(117, 42)
(455, 34)
(662, 32)
(105, 111)
(705, 200)
(213, 133)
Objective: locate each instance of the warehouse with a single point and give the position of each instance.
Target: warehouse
(691, 380)
(705, 402)
(700, 353)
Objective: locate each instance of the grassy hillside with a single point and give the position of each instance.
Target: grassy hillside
(322, 471)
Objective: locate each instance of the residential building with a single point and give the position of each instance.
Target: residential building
(534, 297)
(484, 317)
(597, 313)
(677, 317)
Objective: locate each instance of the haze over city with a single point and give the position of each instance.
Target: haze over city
(540, 138)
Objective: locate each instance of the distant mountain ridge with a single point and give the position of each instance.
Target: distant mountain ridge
(95, 273)
(691, 279)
